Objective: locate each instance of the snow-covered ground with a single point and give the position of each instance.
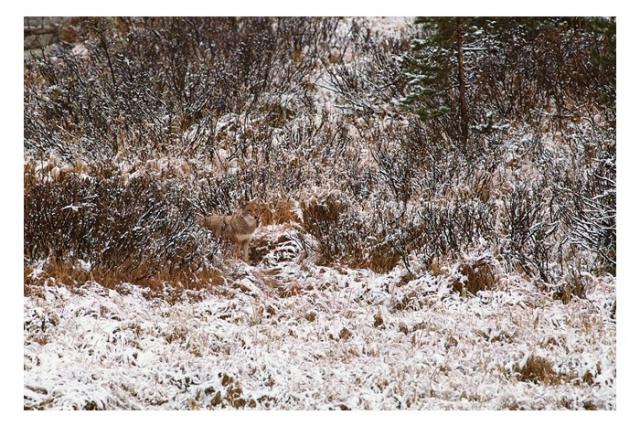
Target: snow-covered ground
(301, 336)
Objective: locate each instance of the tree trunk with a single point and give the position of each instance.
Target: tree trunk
(462, 87)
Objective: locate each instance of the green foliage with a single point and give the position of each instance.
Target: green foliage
(429, 68)
(438, 67)
(508, 66)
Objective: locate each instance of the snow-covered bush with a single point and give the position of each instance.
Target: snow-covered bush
(134, 231)
(119, 93)
(403, 259)
(239, 109)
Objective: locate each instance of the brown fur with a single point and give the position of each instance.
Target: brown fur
(238, 227)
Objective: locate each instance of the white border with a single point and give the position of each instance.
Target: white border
(11, 155)
(323, 8)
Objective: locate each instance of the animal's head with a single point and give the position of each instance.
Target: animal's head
(253, 209)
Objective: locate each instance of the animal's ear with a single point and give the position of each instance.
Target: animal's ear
(246, 201)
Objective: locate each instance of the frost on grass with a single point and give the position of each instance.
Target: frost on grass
(396, 266)
(343, 339)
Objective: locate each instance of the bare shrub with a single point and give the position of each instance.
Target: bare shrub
(240, 98)
(452, 228)
(528, 242)
(139, 229)
(209, 67)
(367, 87)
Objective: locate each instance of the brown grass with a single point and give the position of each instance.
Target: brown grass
(406, 302)
(435, 267)
(113, 218)
(29, 176)
(382, 259)
(345, 334)
(378, 321)
(322, 219)
(277, 212)
(574, 286)
(282, 288)
(327, 211)
(283, 212)
(538, 370)
(232, 395)
(62, 272)
(480, 276)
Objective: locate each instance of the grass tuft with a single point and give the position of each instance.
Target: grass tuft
(538, 370)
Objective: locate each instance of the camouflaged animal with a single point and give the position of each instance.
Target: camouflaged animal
(238, 227)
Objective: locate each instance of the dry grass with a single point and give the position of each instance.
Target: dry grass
(133, 233)
(326, 211)
(280, 247)
(435, 267)
(62, 272)
(283, 289)
(346, 239)
(480, 275)
(574, 286)
(277, 212)
(284, 212)
(538, 370)
(232, 395)
(382, 259)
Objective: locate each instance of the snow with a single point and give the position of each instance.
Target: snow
(289, 333)
(245, 343)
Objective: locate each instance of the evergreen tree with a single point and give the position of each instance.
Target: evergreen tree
(465, 74)
(437, 69)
